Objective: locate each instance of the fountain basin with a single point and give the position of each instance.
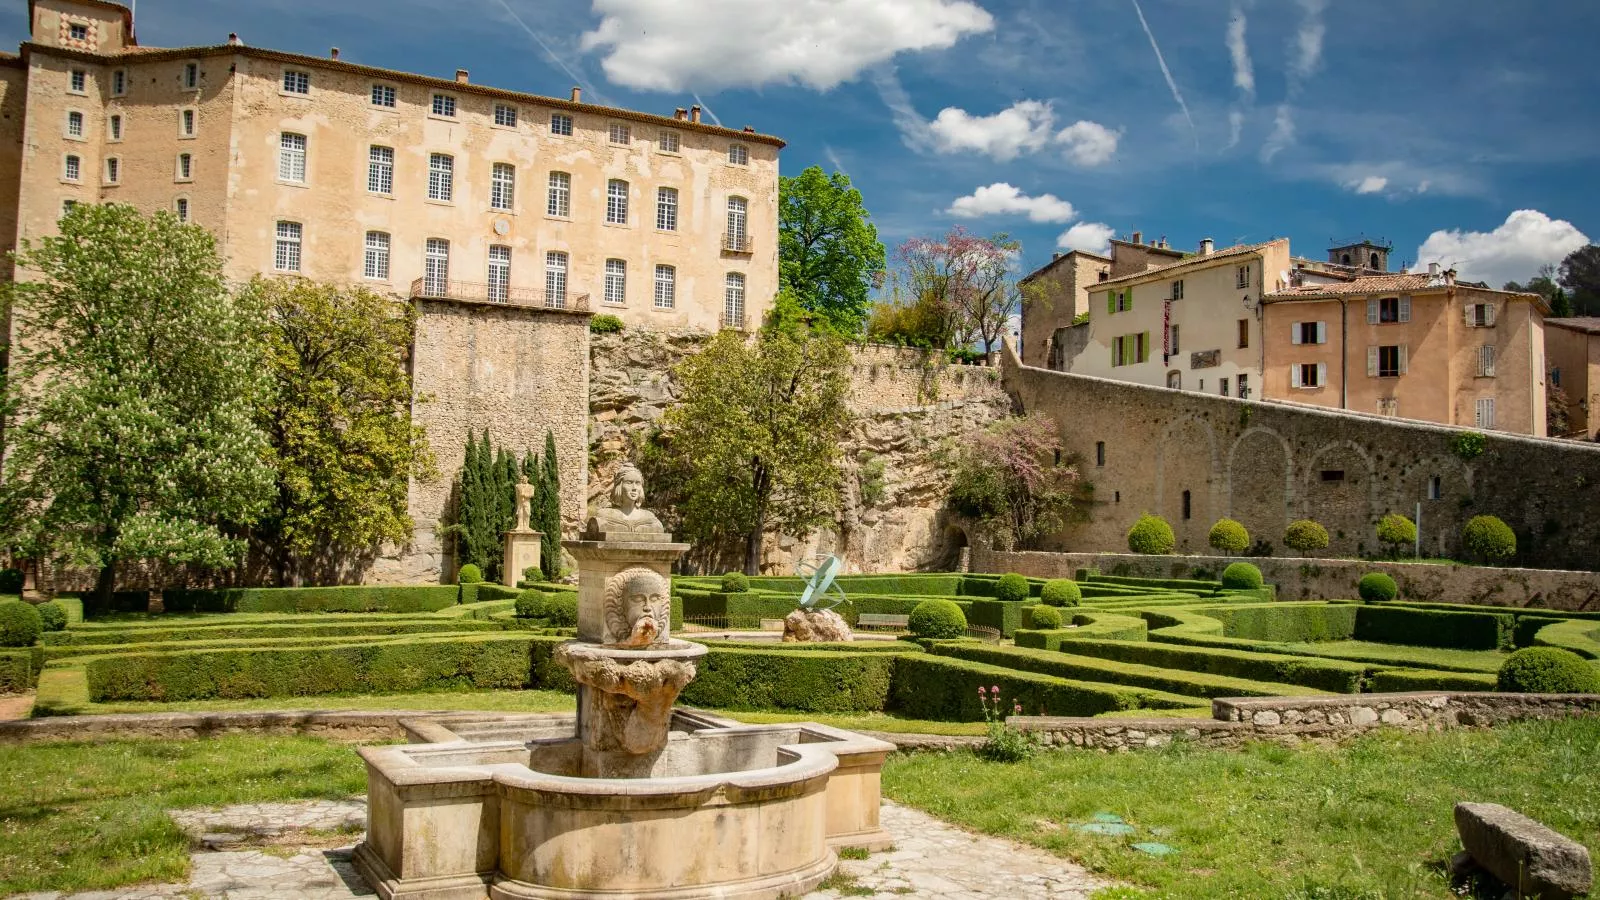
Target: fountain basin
(726, 810)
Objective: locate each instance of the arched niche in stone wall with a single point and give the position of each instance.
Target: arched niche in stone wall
(1261, 484)
(1339, 489)
(1187, 460)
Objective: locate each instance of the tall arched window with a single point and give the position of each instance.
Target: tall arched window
(499, 273)
(436, 267)
(738, 224)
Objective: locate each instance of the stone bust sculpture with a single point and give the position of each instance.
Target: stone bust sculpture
(637, 607)
(625, 515)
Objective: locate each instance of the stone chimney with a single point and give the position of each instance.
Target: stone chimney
(577, 94)
(1206, 246)
(694, 113)
(461, 76)
(233, 39)
(1433, 269)
(333, 53)
(1055, 256)
(1138, 237)
(681, 114)
(749, 129)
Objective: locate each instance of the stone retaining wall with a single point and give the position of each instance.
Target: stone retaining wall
(1328, 579)
(1289, 720)
(356, 726)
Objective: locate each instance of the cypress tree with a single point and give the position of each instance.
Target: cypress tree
(483, 514)
(549, 499)
(467, 502)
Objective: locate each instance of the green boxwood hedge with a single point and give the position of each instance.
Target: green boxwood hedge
(805, 680)
(1286, 622)
(1580, 636)
(354, 598)
(1061, 592)
(1333, 675)
(1434, 628)
(100, 638)
(946, 689)
(1391, 681)
(1041, 617)
(19, 669)
(1548, 670)
(1004, 615)
(1088, 668)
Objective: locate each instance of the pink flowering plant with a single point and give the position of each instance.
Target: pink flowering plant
(1004, 743)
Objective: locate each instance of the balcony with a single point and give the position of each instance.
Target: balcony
(479, 292)
(732, 321)
(736, 242)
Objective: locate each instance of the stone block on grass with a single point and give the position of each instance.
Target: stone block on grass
(1523, 854)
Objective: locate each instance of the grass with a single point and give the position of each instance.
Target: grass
(1424, 657)
(87, 816)
(1372, 819)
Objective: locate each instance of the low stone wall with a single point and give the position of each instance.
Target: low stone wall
(1236, 721)
(365, 726)
(1329, 579)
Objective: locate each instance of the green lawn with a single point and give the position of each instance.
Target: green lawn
(92, 816)
(1370, 820)
(1424, 657)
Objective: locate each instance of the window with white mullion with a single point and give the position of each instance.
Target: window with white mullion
(738, 220)
(733, 298)
(383, 95)
(296, 82)
(286, 257)
(292, 157)
(436, 267)
(505, 115)
(667, 209)
(499, 273)
(666, 287)
(617, 202)
(559, 202)
(616, 292)
(555, 279)
(441, 177)
(502, 186)
(376, 263)
(380, 170)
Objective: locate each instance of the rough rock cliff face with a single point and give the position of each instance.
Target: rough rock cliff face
(911, 410)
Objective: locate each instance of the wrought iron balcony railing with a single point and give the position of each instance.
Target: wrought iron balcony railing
(736, 242)
(440, 289)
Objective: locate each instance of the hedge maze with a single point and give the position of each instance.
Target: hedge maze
(1123, 644)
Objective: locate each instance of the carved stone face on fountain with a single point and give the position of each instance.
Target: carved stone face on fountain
(637, 609)
(625, 516)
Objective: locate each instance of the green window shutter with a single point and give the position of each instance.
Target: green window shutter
(1127, 299)
(1111, 301)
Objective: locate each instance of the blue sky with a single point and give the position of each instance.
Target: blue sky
(1461, 130)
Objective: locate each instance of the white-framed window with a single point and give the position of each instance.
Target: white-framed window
(739, 154)
(619, 133)
(1177, 289)
(1388, 310)
(559, 200)
(1435, 487)
(119, 82)
(441, 176)
(666, 287)
(1241, 277)
(667, 141)
(181, 207)
(436, 267)
(1309, 333)
(503, 186)
(738, 223)
(555, 278)
(1244, 385)
(78, 81)
(375, 262)
(616, 292)
(1172, 340)
(78, 31)
(505, 115)
(296, 82)
(186, 124)
(72, 168)
(383, 95)
(561, 123)
(617, 201)
(733, 299)
(499, 273)
(1483, 416)
(114, 128)
(1387, 361)
(292, 157)
(74, 124)
(667, 209)
(113, 170)
(185, 167)
(444, 105)
(1119, 301)
(380, 170)
(191, 75)
(67, 206)
(1486, 361)
(1480, 315)
(1308, 375)
(286, 258)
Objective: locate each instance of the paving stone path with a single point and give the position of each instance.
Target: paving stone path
(930, 859)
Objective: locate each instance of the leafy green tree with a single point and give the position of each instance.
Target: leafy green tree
(547, 497)
(136, 382)
(1580, 275)
(1009, 482)
(339, 421)
(754, 443)
(829, 255)
(1545, 285)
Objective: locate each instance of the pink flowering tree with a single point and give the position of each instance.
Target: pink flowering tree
(1012, 482)
(962, 286)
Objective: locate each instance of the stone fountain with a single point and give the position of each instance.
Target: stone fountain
(631, 798)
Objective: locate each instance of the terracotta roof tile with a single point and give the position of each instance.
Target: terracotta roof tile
(1410, 282)
(1239, 250)
(1587, 324)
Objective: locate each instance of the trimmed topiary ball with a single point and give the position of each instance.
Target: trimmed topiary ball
(1548, 670)
(530, 604)
(532, 575)
(19, 624)
(560, 609)
(937, 619)
(1376, 587)
(1489, 540)
(1241, 576)
(469, 574)
(52, 616)
(10, 581)
(1230, 537)
(1305, 536)
(1061, 592)
(1045, 616)
(735, 583)
(1151, 534)
(1398, 532)
(1012, 587)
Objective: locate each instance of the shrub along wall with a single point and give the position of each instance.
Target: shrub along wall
(19, 669)
(1386, 681)
(1287, 622)
(100, 637)
(1434, 628)
(1332, 675)
(811, 681)
(942, 688)
(1004, 616)
(1064, 665)
(402, 598)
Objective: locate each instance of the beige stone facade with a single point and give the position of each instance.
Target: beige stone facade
(1572, 346)
(1053, 297)
(354, 174)
(1417, 346)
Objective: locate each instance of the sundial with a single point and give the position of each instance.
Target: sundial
(819, 582)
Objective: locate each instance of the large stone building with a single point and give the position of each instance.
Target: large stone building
(1573, 348)
(414, 186)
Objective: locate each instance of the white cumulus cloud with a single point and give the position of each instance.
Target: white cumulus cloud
(1001, 198)
(1088, 143)
(677, 45)
(1514, 251)
(1090, 237)
(1009, 133)
(1371, 184)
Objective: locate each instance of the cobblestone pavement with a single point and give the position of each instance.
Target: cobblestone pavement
(930, 859)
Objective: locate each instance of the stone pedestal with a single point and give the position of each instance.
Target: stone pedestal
(522, 551)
